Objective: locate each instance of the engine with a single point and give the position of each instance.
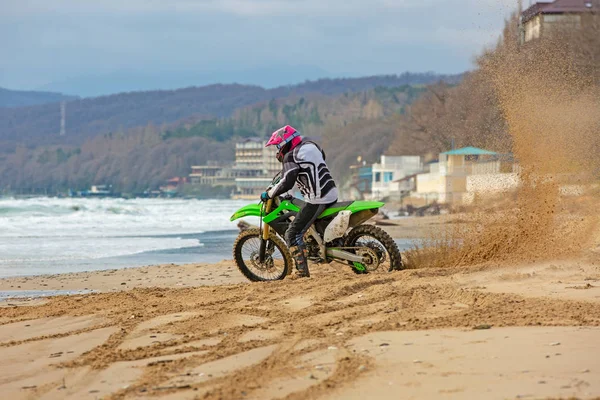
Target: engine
(312, 247)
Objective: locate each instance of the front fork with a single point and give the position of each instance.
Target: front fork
(266, 231)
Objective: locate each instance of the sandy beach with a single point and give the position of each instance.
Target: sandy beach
(147, 146)
(527, 330)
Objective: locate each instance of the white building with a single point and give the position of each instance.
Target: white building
(259, 163)
(548, 17)
(252, 153)
(251, 173)
(462, 174)
(390, 171)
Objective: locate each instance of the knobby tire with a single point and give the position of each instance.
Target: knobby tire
(239, 259)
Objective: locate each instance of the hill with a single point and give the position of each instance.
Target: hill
(148, 80)
(143, 157)
(20, 98)
(342, 85)
(40, 125)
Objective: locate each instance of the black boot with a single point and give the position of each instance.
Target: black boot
(299, 254)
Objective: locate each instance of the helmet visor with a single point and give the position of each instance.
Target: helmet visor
(286, 141)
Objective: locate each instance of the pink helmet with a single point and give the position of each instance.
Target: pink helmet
(281, 137)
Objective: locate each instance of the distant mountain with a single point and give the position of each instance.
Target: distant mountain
(40, 125)
(341, 85)
(18, 98)
(133, 81)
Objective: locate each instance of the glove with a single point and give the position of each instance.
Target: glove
(264, 196)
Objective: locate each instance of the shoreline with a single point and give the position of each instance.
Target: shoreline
(410, 228)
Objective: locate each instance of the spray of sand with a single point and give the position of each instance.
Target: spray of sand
(552, 110)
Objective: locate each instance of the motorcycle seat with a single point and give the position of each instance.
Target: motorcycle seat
(338, 206)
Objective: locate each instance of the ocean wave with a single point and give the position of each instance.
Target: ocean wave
(61, 234)
(15, 253)
(105, 217)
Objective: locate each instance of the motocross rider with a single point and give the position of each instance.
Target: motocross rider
(304, 165)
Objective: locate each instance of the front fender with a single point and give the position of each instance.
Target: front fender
(252, 210)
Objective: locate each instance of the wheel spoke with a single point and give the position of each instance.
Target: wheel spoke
(377, 242)
(274, 265)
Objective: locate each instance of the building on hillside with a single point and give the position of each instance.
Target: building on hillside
(252, 153)
(206, 174)
(386, 175)
(255, 166)
(543, 17)
(253, 169)
(213, 175)
(173, 185)
(360, 182)
(364, 182)
(461, 174)
(405, 186)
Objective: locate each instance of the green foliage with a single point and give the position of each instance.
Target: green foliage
(411, 90)
(219, 130)
(310, 112)
(314, 117)
(301, 113)
(61, 155)
(273, 107)
(58, 156)
(44, 157)
(397, 98)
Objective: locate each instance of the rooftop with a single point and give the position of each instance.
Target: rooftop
(252, 139)
(469, 151)
(561, 7)
(206, 167)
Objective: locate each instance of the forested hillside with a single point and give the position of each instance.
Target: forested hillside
(88, 117)
(143, 157)
(311, 113)
(40, 125)
(21, 98)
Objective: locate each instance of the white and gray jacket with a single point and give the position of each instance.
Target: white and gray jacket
(305, 166)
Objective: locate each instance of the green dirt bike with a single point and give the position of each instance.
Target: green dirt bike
(337, 235)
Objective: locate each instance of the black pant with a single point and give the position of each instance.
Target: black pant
(307, 215)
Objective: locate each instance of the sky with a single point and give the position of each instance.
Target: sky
(47, 41)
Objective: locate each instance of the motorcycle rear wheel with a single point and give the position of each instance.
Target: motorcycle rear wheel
(376, 239)
(278, 262)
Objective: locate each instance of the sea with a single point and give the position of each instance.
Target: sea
(44, 235)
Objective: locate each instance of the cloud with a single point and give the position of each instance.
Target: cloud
(47, 40)
(12, 8)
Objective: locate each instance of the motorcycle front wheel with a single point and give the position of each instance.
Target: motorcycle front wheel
(278, 259)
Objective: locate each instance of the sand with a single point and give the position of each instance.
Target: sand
(191, 275)
(116, 280)
(202, 331)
